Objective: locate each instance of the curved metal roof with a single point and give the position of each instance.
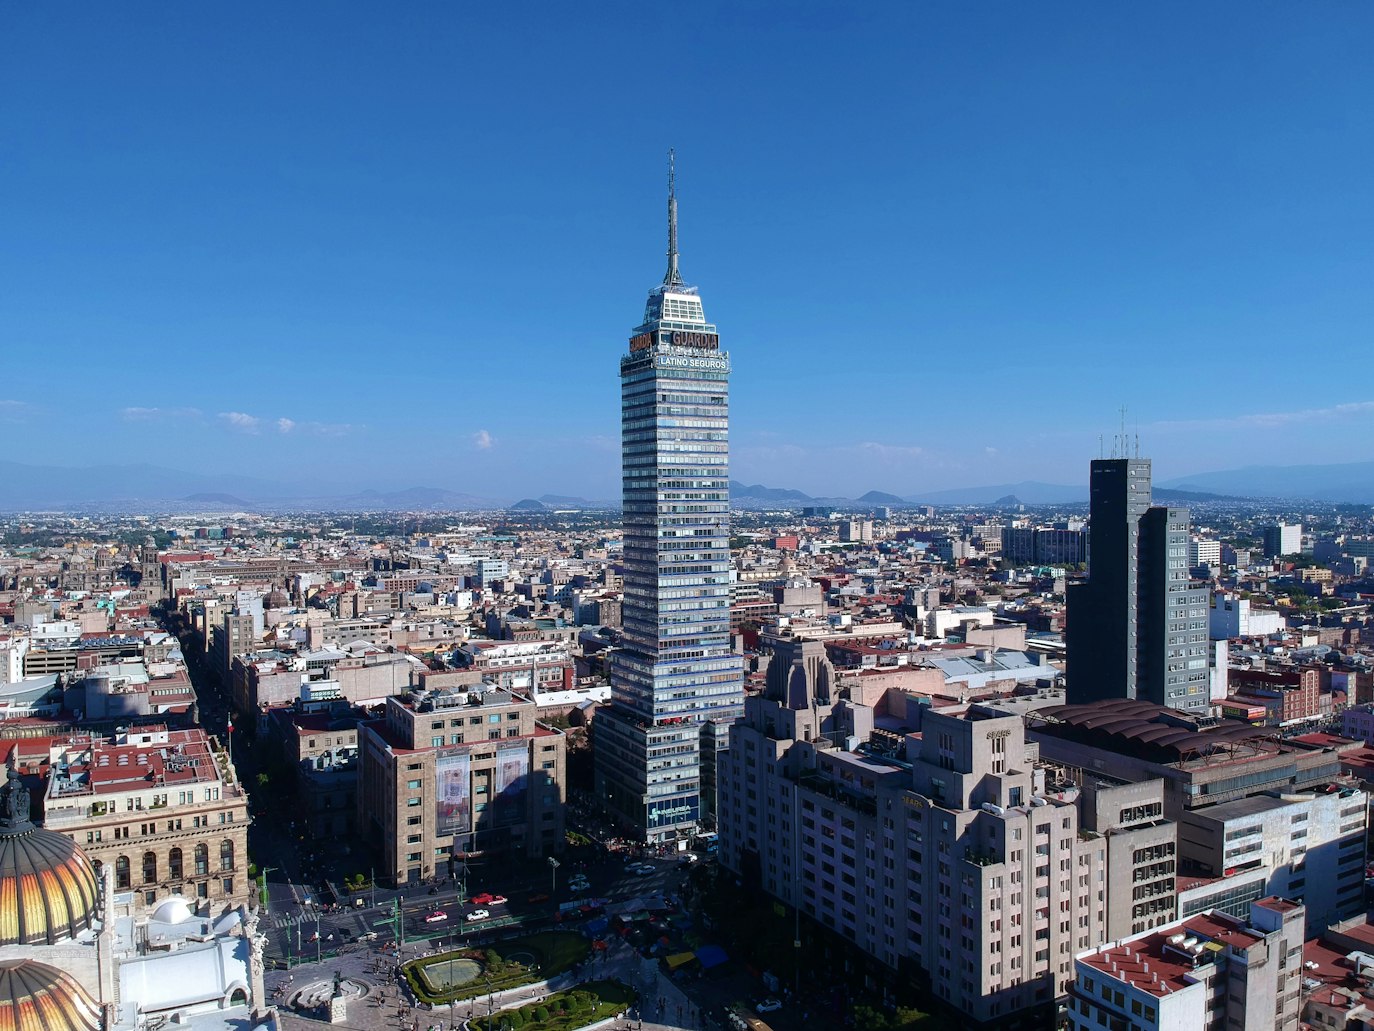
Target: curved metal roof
(48, 887)
(37, 996)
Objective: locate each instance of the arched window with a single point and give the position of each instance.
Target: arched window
(202, 860)
(149, 867)
(226, 855)
(174, 864)
(122, 877)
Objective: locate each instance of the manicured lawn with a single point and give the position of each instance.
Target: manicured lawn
(531, 958)
(564, 1011)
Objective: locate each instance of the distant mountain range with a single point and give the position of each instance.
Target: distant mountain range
(143, 486)
(1006, 495)
(1351, 482)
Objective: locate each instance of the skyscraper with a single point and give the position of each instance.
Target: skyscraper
(1137, 627)
(675, 683)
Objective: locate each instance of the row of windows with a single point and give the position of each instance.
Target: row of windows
(175, 871)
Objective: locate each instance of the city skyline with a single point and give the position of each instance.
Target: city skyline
(366, 252)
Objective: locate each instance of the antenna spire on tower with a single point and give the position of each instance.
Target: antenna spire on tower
(673, 278)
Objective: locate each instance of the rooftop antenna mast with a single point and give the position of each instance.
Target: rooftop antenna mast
(673, 278)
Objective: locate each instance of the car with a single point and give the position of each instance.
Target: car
(579, 883)
(538, 896)
(480, 900)
(369, 936)
(437, 917)
(688, 858)
(639, 869)
(478, 914)
(496, 900)
(768, 1006)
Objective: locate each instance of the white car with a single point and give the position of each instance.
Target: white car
(478, 914)
(768, 1006)
(639, 868)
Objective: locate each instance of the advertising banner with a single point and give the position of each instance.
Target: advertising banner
(512, 777)
(453, 774)
(683, 809)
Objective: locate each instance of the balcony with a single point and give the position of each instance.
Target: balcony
(837, 792)
(981, 857)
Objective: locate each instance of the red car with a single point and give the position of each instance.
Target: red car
(538, 897)
(482, 900)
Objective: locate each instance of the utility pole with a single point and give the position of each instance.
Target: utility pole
(319, 945)
(262, 884)
(553, 874)
(374, 889)
(398, 919)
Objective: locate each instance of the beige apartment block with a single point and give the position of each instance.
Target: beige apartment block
(448, 774)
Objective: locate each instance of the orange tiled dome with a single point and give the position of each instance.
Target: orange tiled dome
(48, 888)
(35, 995)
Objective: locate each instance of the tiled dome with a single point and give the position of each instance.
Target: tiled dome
(35, 995)
(48, 888)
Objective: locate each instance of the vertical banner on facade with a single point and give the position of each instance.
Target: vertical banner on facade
(453, 774)
(512, 776)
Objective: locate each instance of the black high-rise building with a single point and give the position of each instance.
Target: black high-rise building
(1137, 627)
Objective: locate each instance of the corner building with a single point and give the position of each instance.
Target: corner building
(952, 861)
(445, 775)
(675, 683)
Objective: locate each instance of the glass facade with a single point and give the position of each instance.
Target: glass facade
(675, 672)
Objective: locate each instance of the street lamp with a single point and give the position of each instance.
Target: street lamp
(553, 874)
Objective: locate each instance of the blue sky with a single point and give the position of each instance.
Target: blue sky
(388, 245)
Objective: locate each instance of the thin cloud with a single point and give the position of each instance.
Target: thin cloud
(14, 411)
(482, 440)
(1272, 420)
(137, 414)
(323, 429)
(892, 452)
(241, 421)
(285, 425)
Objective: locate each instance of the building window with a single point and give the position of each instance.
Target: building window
(174, 864)
(123, 878)
(149, 867)
(226, 855)
(228, 885)
(202, 860)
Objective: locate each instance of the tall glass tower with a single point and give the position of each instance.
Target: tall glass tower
(1138, 625)
(675, 683)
